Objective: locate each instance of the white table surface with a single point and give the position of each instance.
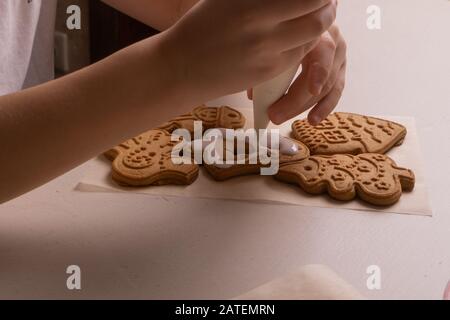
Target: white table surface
(136, 246)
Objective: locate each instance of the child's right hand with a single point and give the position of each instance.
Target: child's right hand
(225, 46)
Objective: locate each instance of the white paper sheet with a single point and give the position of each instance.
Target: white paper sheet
(268, 190)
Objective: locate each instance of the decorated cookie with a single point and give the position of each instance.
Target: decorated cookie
(211, 117)
(289, 151)
(347, 133)
(146, 160)
(375, 178)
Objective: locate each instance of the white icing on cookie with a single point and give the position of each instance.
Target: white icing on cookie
(224, 166)
(288, 147)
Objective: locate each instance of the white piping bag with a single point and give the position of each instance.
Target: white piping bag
(267, 93)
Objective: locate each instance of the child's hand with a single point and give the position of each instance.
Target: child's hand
(320, 85)
(224, 46)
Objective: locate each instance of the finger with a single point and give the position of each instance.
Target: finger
(335, 32)
(250, 94)
(320, 64)
(339, 61)
(295, 33)
(339, 58)
(329, 103)
(328, 87)
(290, 58)
(293, 103)
(297, 55)
(299, 98)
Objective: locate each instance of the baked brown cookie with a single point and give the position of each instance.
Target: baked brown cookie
(211, 117)
(348, 133)
(289, 151)
(146, 160)
(375, 178)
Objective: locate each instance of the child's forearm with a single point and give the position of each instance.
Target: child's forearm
(50, 129)
(220, 47)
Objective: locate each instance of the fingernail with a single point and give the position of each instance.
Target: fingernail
(275, 116)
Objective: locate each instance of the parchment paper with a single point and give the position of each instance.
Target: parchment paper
(268, 190)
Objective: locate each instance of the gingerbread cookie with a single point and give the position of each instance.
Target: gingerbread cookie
(375, 178)
(211, 117)
(146, 160)
(347, 133)
(289, 151)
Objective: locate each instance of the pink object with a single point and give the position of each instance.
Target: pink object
(447, 292)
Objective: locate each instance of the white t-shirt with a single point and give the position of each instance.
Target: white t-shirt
(26, 40)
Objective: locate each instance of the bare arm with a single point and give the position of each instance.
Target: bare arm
(159, 14)
(50, 129)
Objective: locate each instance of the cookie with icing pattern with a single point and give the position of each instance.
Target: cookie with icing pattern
(348, 133)
(211, 117)
(374, 178)
(147, 160)
(289, 151)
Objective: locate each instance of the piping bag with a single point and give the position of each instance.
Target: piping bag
(267, 93)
